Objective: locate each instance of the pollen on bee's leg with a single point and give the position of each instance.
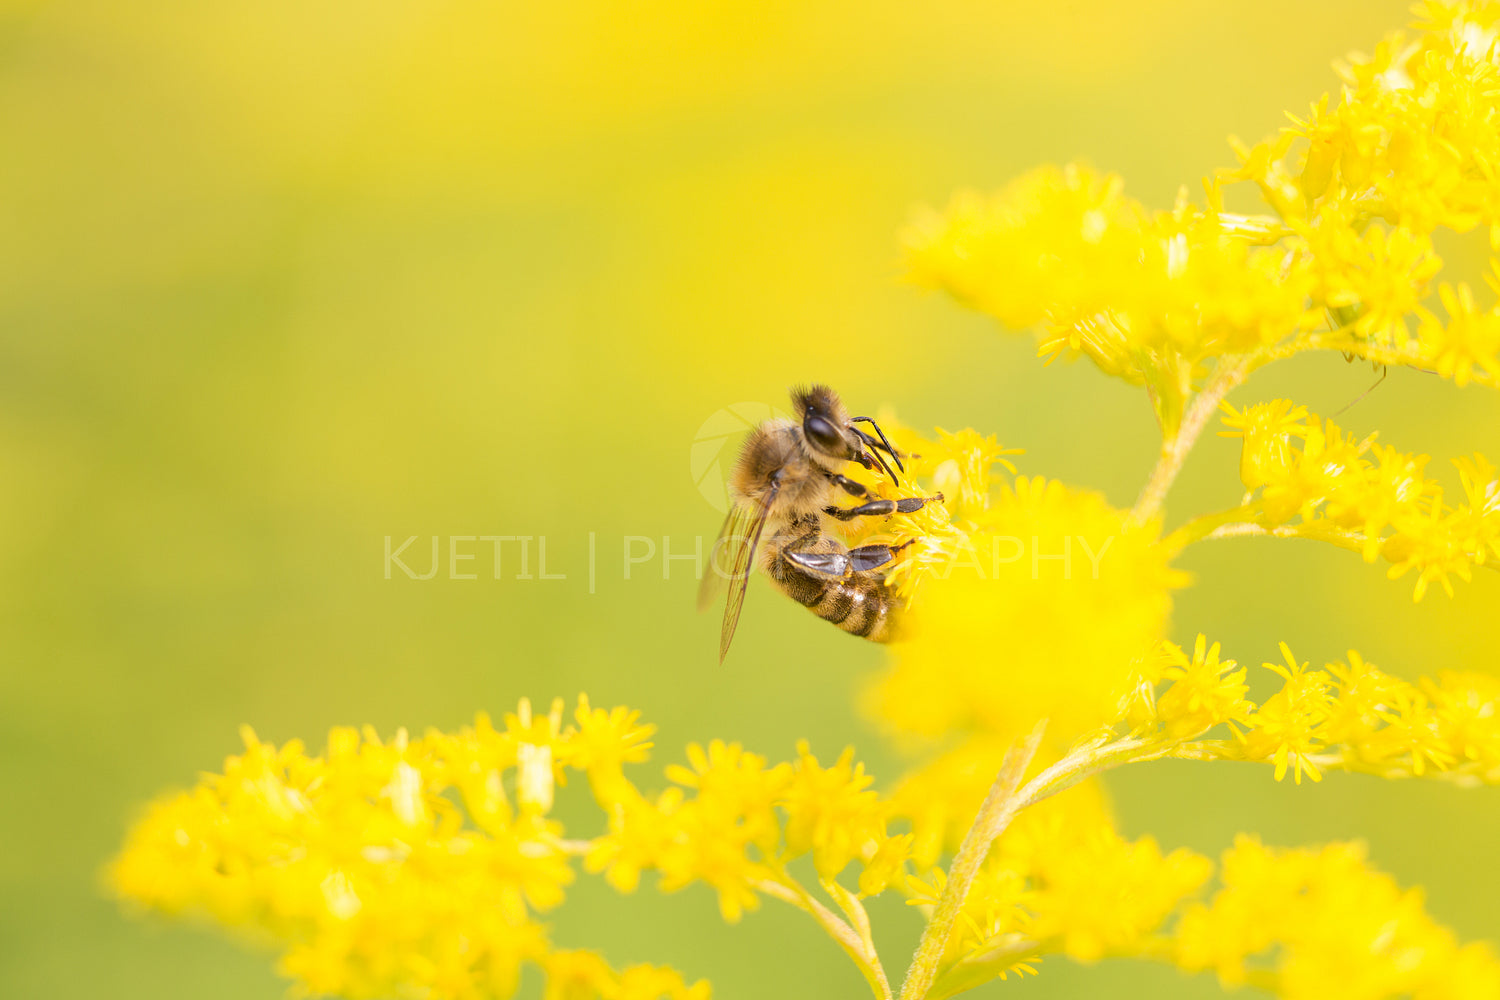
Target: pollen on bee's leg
(910, 505)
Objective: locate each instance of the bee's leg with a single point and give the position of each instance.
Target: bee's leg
(835, 562)
(809, 557)
(834, 565)
(849, 486)
(868, 557)
(906, 505)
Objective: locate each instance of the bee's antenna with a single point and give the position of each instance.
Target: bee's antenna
(883, 441)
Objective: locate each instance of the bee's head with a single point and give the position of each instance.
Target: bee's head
(829, 432)
(825, 424)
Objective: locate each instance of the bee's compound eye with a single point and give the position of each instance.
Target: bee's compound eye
(823, 435)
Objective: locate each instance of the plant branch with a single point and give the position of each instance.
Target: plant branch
(859, 919)
(1210, 526)
(1228, 373)
(1083, 764)
(857, 946)
(1354, 541)
(1000, 806)
(1467, 774)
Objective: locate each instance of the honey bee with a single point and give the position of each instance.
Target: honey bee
(784, 485)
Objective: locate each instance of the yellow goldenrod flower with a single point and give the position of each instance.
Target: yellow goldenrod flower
(1330, 926)
(745, 821)
(363, 870)
(1309, 479)
(1026, 233)
(606, 740)
(718, 836)
(886, 865)
(831, 812)
(1267, 429)
(655, 982)
(1467, 711)
(960, 466)
(1410, 147)
(1105, 895)
(1381, 275)
(1365, 697)
(576, 975)
(1141, 294)
(1468, 344)
(583, 975)
(1203, 693)
(1350, 716)
(1285, 728)
(373, 881)
(1041, 610)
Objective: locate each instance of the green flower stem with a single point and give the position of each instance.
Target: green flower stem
(859, 919)
(1000, 807)
(1228, 374)
(1087, 762)
(1354, 541)
(1209, 525)
(1465, 774)
(1344, 538)
(791, 891)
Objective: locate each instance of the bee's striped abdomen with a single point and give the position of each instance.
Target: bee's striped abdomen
(861, 606)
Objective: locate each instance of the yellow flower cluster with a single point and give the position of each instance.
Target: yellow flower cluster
(961, 466)
(1319, 923)
(745, 821)
(1350, 715)
(1061, 881)
(1003, 592)
(1304, 924)
(362, 866)
(583, 975)
(993, 581)
(1099, 894)
(1199, 691)
(1307, 478)
(986, 651)
(419, 867)
(1343, 259)
(1139, 293)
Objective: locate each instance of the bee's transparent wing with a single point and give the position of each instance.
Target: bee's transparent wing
(732, 562)
(721, 556)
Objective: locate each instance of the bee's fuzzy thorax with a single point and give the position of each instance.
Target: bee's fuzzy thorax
(776, 449)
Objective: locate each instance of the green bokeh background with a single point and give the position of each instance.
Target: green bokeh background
(278, 280)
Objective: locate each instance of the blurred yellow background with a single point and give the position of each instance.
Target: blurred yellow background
(279, 280)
